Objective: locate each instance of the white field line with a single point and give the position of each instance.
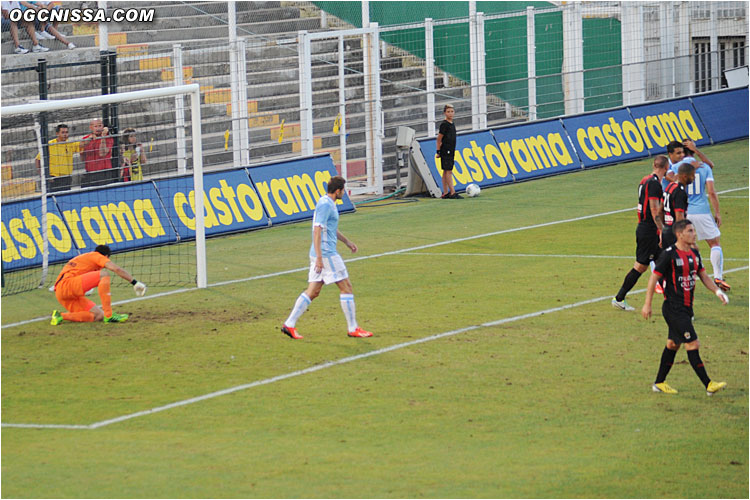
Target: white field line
(355, 259)
(329, 364)
(536, 255)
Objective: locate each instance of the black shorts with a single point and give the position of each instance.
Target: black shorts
(667, 237)
(680, 323)
(446, 160)
(646, 245)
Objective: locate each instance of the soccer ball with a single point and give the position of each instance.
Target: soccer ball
(472, 190)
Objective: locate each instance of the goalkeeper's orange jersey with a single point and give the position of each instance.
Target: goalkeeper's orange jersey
(84, 263)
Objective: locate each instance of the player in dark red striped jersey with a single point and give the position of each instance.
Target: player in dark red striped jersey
(650, 223)
(676, 202)
(681, 266)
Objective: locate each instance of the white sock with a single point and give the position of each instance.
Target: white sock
(347, 305)
(299, 308)
(653, 265)
(717, 260)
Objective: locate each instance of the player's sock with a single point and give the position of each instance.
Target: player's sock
(653, 265)
(717, 261)
(80, 317)
(347, 305)
(299, 308)
(695, 361)
(667, 360)
(105, 295)
(630, 280)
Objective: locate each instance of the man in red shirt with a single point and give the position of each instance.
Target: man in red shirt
(97, 155)
(81, 274)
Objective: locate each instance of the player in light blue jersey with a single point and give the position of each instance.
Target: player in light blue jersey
(326, 265)
(701, 198)
(676, 152)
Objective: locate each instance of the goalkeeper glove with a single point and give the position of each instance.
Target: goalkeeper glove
(139, 288)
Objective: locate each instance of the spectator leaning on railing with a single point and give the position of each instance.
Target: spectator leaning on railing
(132, 156)
(97, 156)
(60, 160)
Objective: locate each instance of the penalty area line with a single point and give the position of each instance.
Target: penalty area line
(329, 364)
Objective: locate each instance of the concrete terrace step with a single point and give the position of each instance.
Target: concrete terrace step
(272, 67)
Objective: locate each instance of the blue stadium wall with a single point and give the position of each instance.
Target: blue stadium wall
(137, 215)
(549, 147)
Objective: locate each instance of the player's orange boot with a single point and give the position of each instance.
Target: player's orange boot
(722, 284)
(360, 333)
(292, 332)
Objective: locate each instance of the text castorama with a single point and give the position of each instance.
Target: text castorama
(120, 224)
(488, 158)
(604, 137)
(153, 213)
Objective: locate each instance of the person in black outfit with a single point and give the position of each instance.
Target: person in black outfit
(650, 224)
(676, 201)
(681, 266)
(446, 148)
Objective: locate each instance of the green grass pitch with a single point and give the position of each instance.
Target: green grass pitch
(547, 405)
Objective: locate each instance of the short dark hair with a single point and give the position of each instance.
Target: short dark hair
(674, 145)
(685, 168)
(447, 107)
(680, 225)
(61, 126)
(661, 161)
(104, 250)
(336, 183)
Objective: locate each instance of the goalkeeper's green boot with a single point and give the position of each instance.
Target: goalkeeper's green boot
(116, 318)
(56, 318)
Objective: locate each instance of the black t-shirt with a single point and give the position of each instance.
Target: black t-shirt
(448, 130)
(648, 189)
(675, 200)
(680, 270)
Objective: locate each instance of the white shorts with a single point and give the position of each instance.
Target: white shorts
(333, 270)
(705, 226)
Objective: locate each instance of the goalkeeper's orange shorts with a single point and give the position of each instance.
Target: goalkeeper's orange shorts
(70, 292)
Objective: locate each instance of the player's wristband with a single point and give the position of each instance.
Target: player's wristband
(134, 282)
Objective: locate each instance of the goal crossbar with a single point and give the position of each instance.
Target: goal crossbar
(193, 90)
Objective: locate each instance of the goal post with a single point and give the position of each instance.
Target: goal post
(153, 117)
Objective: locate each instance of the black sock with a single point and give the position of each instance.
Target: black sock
(667, 360)
(630, 280)
(695, 361)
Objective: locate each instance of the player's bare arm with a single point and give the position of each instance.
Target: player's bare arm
(713, 198)
(346, 241)
(317, 239)
(657, 212)
(691, 145)
(646, 310)
(709, 283)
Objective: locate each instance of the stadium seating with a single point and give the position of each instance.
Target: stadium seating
(144, 61)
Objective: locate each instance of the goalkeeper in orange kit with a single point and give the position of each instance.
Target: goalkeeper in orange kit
(81, 274)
